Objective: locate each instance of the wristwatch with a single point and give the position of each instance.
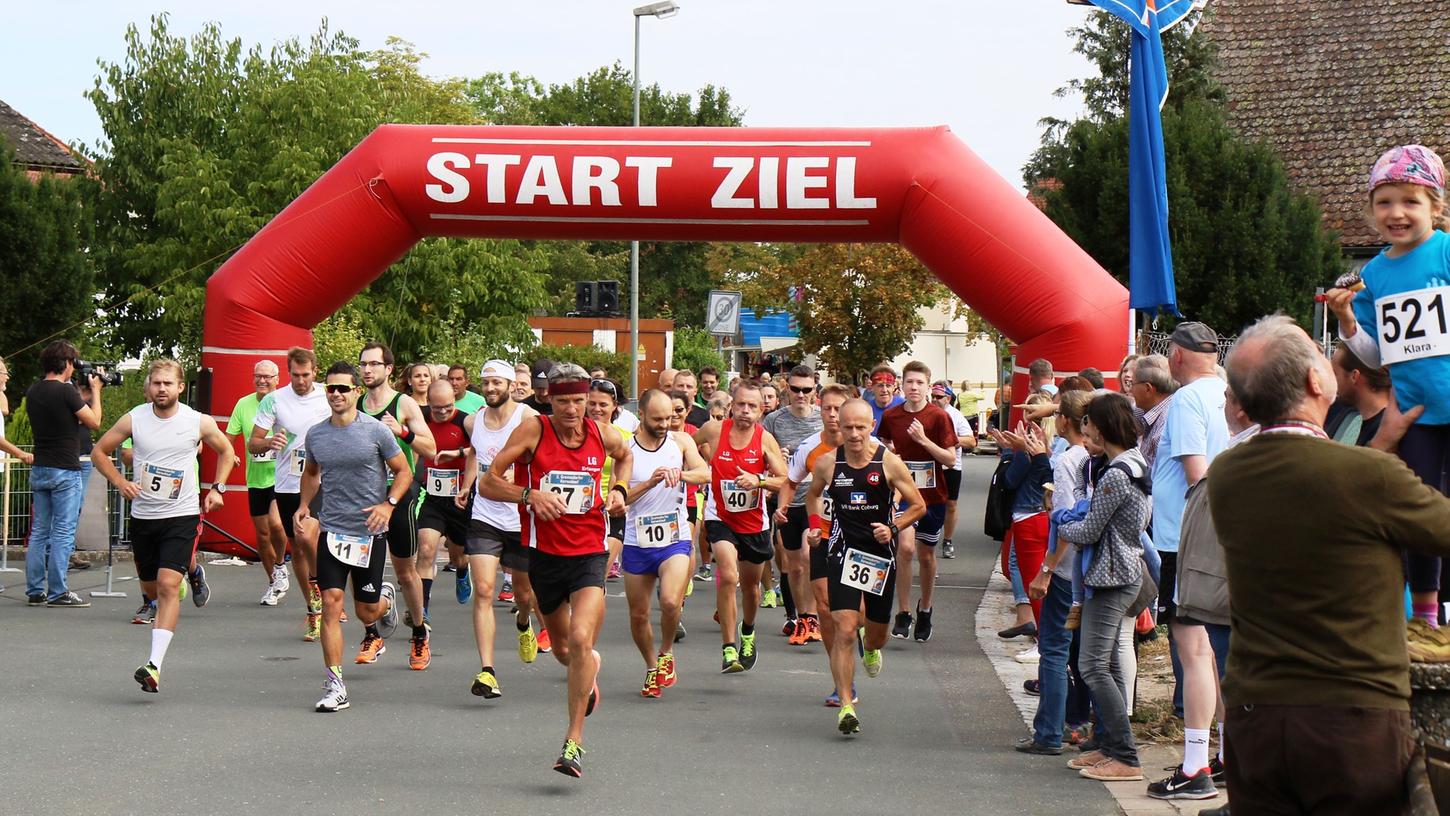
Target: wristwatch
(392, 501)
(219, 488)
(895, 531)
(1046, 569)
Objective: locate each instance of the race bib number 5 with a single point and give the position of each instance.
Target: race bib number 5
(353, 550)
(1413, 325)
(575, 487)
(442, 482)
(739, 499)
(660, 530)
(865, 571)
(161, 483)
(923, 473)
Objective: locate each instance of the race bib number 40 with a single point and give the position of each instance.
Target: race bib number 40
(739, 499)
(442, 482)
(659, 530)
(1413, 325)
(353, 550)
(923, 473)
(162, 483)
(865, 571)
(575, 487)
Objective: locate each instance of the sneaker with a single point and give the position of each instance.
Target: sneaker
(420, 653)
(614, 572)
(528, 645)
(651, 684)
(767, 599)
(706, 572)
(1028, 655)
(334, 697)
(568, 762)
(1075, 735)
(1111, 770)
(1032, 687)
(280, 581)
(1029, 629)
(269, 597)
(68, 600)
(149, 677)
(813, 630)
(462, 587)
(747, 651)
(545, 645)
(1027, 745)
(665, 665)
(948, 550)
(923, 625)
(833, 700)
(730, 661)
(35, 600)
(1215, 770)
(901, 630)
(1086, 759)
(800, 632)
(506, 595)
(847, 722)
(314, 598)
(689, 588)
(200, 589)
(371, 647)
(1074, 619)
(872, 662)
(388, 623)
(788, 629)
(449, 568)
(146, 614)
(1183, 786)
(485, 685)
(314, 627)
(679, 631)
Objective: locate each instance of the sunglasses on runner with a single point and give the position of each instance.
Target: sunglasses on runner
(809, 389)
(339, 388)
(604, 385)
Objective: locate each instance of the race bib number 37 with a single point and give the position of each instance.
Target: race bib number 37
(1413, 325)
(575, 487)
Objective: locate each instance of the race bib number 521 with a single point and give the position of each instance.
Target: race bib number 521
(1413, 325)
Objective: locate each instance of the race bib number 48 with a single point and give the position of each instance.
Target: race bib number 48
(442, 482)
(162, 483)
(865, 571)
(575, 487)
(1413, 325)
(353, 550)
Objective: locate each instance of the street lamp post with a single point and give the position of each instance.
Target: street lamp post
(667, 8)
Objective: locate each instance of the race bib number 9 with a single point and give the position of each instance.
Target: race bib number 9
(298, 462)
(865, 571)
(739, 499)
(161, 483)
(1413, 325)
(923, 474)
(660, 530)
(575, 487)
(442, 482)
(352, 550)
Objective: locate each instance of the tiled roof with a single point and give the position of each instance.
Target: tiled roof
(1331, 85)
(34, 148)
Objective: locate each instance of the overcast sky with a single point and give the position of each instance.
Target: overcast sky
(986, 69)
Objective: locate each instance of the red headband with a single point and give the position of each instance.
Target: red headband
(884, 377)
(565, 389)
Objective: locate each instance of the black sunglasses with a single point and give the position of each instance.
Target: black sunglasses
(604, 385)
(339, 388)
(809, 389)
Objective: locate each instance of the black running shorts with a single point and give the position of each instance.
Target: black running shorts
(403, 529)
(287, 504)
(848, 598)
(259, 501)
(793, 531)
(442, 514)
(752, 548)
(557, 577)
(485, 539)
(167, 542)
(367, 582)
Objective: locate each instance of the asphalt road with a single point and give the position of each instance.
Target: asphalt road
(233, 730)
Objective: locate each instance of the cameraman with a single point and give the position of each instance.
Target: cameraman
(56, 412)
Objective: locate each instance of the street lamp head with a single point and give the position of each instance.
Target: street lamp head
(663, 9)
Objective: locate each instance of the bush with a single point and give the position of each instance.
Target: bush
(695, 349)
(587, 357)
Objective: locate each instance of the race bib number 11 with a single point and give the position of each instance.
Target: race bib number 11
(1413, 325)
(352, 550)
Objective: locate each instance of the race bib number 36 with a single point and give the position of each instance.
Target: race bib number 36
(442, 482)
(923, 473)
(575, 487)
(1413, 325)
(162, 483)
(865, 571)
(660, 530)
(739, 499)
(353, 550)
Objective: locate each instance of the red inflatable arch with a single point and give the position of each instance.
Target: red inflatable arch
(920, 187)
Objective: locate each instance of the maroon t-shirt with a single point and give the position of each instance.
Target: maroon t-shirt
(927, 472)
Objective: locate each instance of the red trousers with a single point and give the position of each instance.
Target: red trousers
(1029, 537)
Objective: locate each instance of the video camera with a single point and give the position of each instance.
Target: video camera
(107, 373)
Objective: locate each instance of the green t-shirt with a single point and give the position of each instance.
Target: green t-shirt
(469, 403)
(261, 472)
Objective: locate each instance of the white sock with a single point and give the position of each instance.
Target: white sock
(1220, 743)
(160, 641)
(1195, 750)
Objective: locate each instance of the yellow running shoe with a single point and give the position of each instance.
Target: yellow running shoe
(847, 722)
(485, 685)
(314, 627)
(528, 645)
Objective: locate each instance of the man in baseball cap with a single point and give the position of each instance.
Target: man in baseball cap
(540, 399)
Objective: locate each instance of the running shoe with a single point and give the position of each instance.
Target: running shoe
(1215, 769)
(705, 573)
(948, 550)
(372, 646)
(1028, 655)
(847, 721)
(528, 645)
(545, 645)
(923, 625)
(901, 630)
(269, 598)
(833, 700)
(799, 634)
(388, 623)
(314, 598)
(872, 662)
(1032, 687)
(767, 599)
(35, 600)
(280, 581)
(462, 587)
(314, 627)
(420, 653)
(1182, 786)
(651, 684)
(70, 600)
(788, 628)
(568, 762)
(485, 685)
(334, 696)
(149, 677)
(747, 651)
(665, 665)
(506, 595)
(730, 661)
(146, 614)
(450, 568)
(689, 588)
(614, 572)
(813, 629)
(200, 589)
(680, 631)
(181, 591)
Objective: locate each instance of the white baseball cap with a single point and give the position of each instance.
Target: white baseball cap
(497, 368)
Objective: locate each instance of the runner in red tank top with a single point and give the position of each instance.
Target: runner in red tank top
(563, 456)
(741, 455)
(444, 476)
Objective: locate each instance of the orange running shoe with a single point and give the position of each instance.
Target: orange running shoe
(371, 647)
(651, 684)
(666, 668)
(420, 653)
(545, 645)
(801, 634)
(813, 630)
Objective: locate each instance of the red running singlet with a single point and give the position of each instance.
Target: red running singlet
(574, 475)
(741, 510)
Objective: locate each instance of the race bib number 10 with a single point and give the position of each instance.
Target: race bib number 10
(575, 487)
(1413, 325)
(660, 530)
(865, 571)
(353, 550)
(162, 483)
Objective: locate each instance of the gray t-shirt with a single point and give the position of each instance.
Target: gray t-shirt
(354, 470)
(790, 431)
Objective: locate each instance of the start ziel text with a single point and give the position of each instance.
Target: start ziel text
(808, 183)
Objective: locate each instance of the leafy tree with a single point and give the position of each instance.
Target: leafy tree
(1244, 243)
(695, 349)
(49, 282)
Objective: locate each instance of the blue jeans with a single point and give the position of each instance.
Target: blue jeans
(1019, 589)
(56, 497)
(1053, 643)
